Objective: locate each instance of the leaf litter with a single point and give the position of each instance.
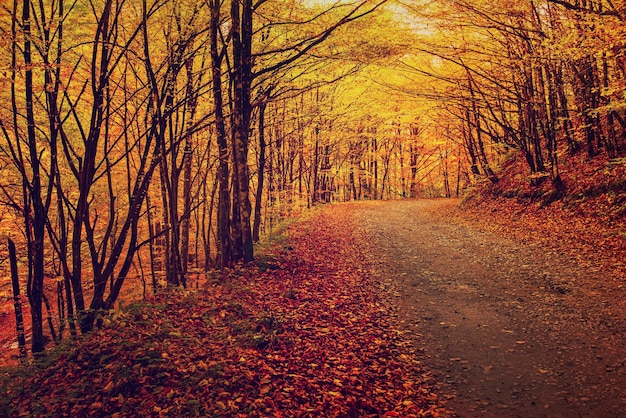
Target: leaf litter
(305, 331)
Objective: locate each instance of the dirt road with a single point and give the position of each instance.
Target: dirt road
(510, 329)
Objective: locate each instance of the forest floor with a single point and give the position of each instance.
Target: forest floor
(307, 330)
(405, 308)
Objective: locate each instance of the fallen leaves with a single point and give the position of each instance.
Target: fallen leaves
(587, 224)
(310, 336)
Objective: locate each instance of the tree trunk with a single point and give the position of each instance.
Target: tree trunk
(480, 148)
(242, 110)
(261, 174)
(469, 143)
(17, 302)
(223, 205)
(36, 225)
(187, 163)
(315, 196)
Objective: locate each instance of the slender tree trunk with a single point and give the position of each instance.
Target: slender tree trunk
(261, 175)
(152, 237)
(241, 19)
(37, 224)
(458, 173)
(402, 175)
(565, 117)
(469, 143)
(445, 173)
(187, 166)
(480, 148)
(583, 94)
(316, 162)
(414, 157)
(223, 206)
(375, 164)
(17, 302)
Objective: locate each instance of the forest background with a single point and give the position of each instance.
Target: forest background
(145, 141)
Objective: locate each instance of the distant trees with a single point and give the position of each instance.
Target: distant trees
(543, 77)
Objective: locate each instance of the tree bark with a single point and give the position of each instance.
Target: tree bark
(17, 302)
(261, 174)
(241, 75)
(223, 205)
(36, 225)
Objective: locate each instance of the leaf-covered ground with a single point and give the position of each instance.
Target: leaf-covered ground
(306, 331)
(586, 221)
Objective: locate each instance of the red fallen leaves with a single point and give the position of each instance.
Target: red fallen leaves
(304, 333)
(587, 222)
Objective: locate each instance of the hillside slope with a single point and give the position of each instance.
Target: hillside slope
(586, 219)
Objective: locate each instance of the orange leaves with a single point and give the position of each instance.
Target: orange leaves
(310, 337)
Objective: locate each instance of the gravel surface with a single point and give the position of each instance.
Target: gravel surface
(509, 329)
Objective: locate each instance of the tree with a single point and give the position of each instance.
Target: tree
(242, 75)
(29, 139)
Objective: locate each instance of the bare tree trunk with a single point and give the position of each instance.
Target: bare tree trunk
(187, 165)
(241, 79)
(468, 141)
(223, 205)
(36, 224)
(375, 164)
(261, 174)
(17, 302)
(316, 162)
(567, 127)
(480, 148)
(152, 237)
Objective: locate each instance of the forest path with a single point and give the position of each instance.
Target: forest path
(510, 329)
